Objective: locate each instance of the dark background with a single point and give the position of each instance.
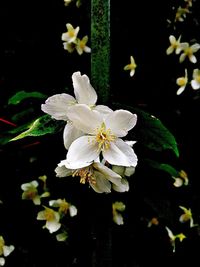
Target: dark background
(32, 58)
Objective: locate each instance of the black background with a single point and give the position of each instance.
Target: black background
(32, 58)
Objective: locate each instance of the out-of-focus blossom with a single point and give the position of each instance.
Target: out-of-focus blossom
(181, 13)
(81, 45)
(52, 219)
(63, 207)
(188, 51)
(187, 216)
(31, 192)
(182, 179)
(131, 66)
(195, 83)
(4, 250)
(117, 208)
(71, 34)
(182, 82)
(175, 45)
(173, 238)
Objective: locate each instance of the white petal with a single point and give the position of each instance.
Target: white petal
(120, 122)
(118, 219)
(57, 106)
(102, 185)
(120, 154)
(103, 109)
(195, 47)
(193, 59)
(82, 152)
(2, 261)
(132, 72)
(53, 226)
(70, 134)
(129, 171)
(169, 50)
(180, 90)
(85, 119)
(87, 49)
(7, 250)
(62, 171)
(182, 57)
(123, 187)
(72, 210)
(108, 173)
(83, 90)
(195, 85)
(172, 39)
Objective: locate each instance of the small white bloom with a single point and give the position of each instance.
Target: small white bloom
(188, 51)
(52, 219)
(131, 66)
(71, 34)
(175, 45)
(195, 83)
(81, 45)
(182, 82)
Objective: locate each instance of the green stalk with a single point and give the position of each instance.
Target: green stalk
(100, 45)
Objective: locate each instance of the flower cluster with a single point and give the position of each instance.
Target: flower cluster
(93, 138)
(54, 212)
(72, 42)
(4, 250)
(187, 51)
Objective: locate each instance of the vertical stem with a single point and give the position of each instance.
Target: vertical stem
(100, 45)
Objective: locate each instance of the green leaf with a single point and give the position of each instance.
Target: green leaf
(21, 95)
(151, 132)
(154, 134)
(164, 167)
(41, 126)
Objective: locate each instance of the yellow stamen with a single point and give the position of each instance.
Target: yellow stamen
(104, 137)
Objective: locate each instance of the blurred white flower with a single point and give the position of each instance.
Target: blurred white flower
(195, 83)
(182, 82)
(131, 66)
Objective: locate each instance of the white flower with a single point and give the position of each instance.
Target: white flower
(51, 217)
(182, 82)
(103, 134)
(63, 206)
(31, 192)
(175, 45)
(188, 51)
(131, 66)
(71, 34)
(4, 250)
(195, 83)
(97, 175)
(81, 45)
(57, 106)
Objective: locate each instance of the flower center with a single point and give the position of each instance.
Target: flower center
(104, 137)
(86, 175)
(49, 215)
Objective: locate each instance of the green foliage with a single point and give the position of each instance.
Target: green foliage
(164, 167)
(152, 133)
(21, 95)
(41, 126)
